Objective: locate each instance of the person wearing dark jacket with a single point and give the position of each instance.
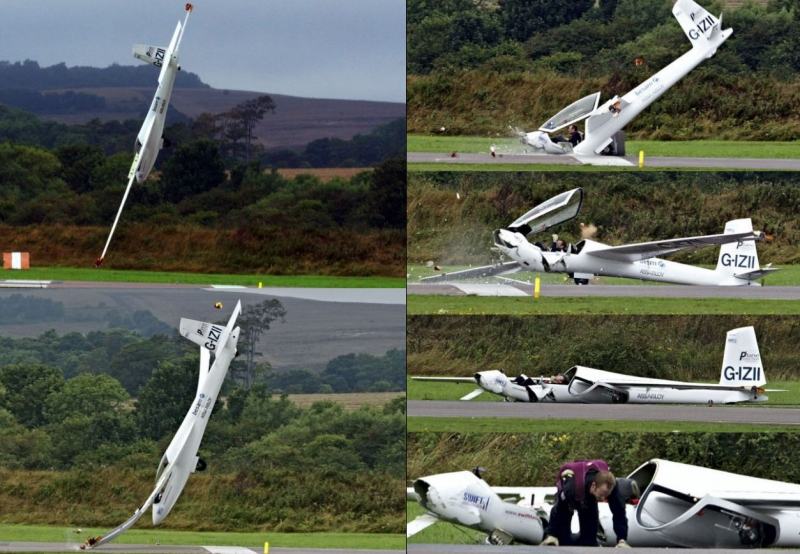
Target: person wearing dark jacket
(575, 136)
(580, 486)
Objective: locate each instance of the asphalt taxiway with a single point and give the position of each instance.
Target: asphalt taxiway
(117, 548)
(641, 291)
(620, 412)
(320, 324)
(756, 164)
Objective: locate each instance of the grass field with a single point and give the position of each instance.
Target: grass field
(350, 401)
(484, 305)
(691, 148)
(789, 275)
(426, 390)
(164, 537)
(132, 276)
(522, 425)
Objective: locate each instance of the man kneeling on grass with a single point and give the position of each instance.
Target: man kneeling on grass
(580, 486)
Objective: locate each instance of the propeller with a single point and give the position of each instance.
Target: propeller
(474, 394)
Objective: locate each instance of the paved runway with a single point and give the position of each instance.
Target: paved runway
(313, 333)
(640, 291)
(760, 164)
(482, 549)
(623, 412)
(173, 549)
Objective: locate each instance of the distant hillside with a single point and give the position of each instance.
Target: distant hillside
(30, 75)
(78, 95)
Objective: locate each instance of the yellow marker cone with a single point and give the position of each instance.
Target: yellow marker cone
(641, 158)
(266, 544)
(259, 284)
(537, 287)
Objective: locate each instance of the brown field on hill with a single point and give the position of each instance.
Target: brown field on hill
(324, 174)
(351, 401)
(296, 121)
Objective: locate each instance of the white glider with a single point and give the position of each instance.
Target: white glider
(742, 379)
(679, 505)
(737, 264)
(181, 460)
(150, 139)
(605, 122)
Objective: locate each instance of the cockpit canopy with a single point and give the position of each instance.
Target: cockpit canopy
(558, 209)
(578, 110)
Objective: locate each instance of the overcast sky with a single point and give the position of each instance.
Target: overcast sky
(316, 48)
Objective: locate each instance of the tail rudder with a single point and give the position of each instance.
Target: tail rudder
(741, 363)
(209, 335)
(702, 28)
(738, 258)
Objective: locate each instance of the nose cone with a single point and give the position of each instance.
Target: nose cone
(160, 511)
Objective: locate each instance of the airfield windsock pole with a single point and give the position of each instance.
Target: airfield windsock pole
(131, 176)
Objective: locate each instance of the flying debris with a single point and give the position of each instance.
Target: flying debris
(737, 264)
(181, 460)
(150, 139)
(742, 379)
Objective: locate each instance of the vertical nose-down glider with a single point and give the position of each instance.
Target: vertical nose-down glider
(181, 460)
(737, 264)
(742, 379)
(150, 139)
(679, 505)
(603, 123)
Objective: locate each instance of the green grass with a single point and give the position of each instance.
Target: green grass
(141, 536)
(442, 532)
(427, 390)
(522, 425)
(484, 305)
(689, 148)
(131, 276)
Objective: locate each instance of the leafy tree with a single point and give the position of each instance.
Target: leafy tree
(166, 397)
(254, 321)
(246, 115)
(522, 18)
(78, 163)
(194, 168)
(388, 193)
(27, 388)
(88, 395)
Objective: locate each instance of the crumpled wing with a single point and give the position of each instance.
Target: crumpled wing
(444, 379)
(644, 250)
(420, 524)
(131, 521)
(475, 273)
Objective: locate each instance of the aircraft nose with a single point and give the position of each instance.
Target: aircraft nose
(159, 513)
(478, 377)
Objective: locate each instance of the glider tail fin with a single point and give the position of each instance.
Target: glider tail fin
(738, 259)
(741, 363)
(149, 54)
(703, 29)
(209, 335)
